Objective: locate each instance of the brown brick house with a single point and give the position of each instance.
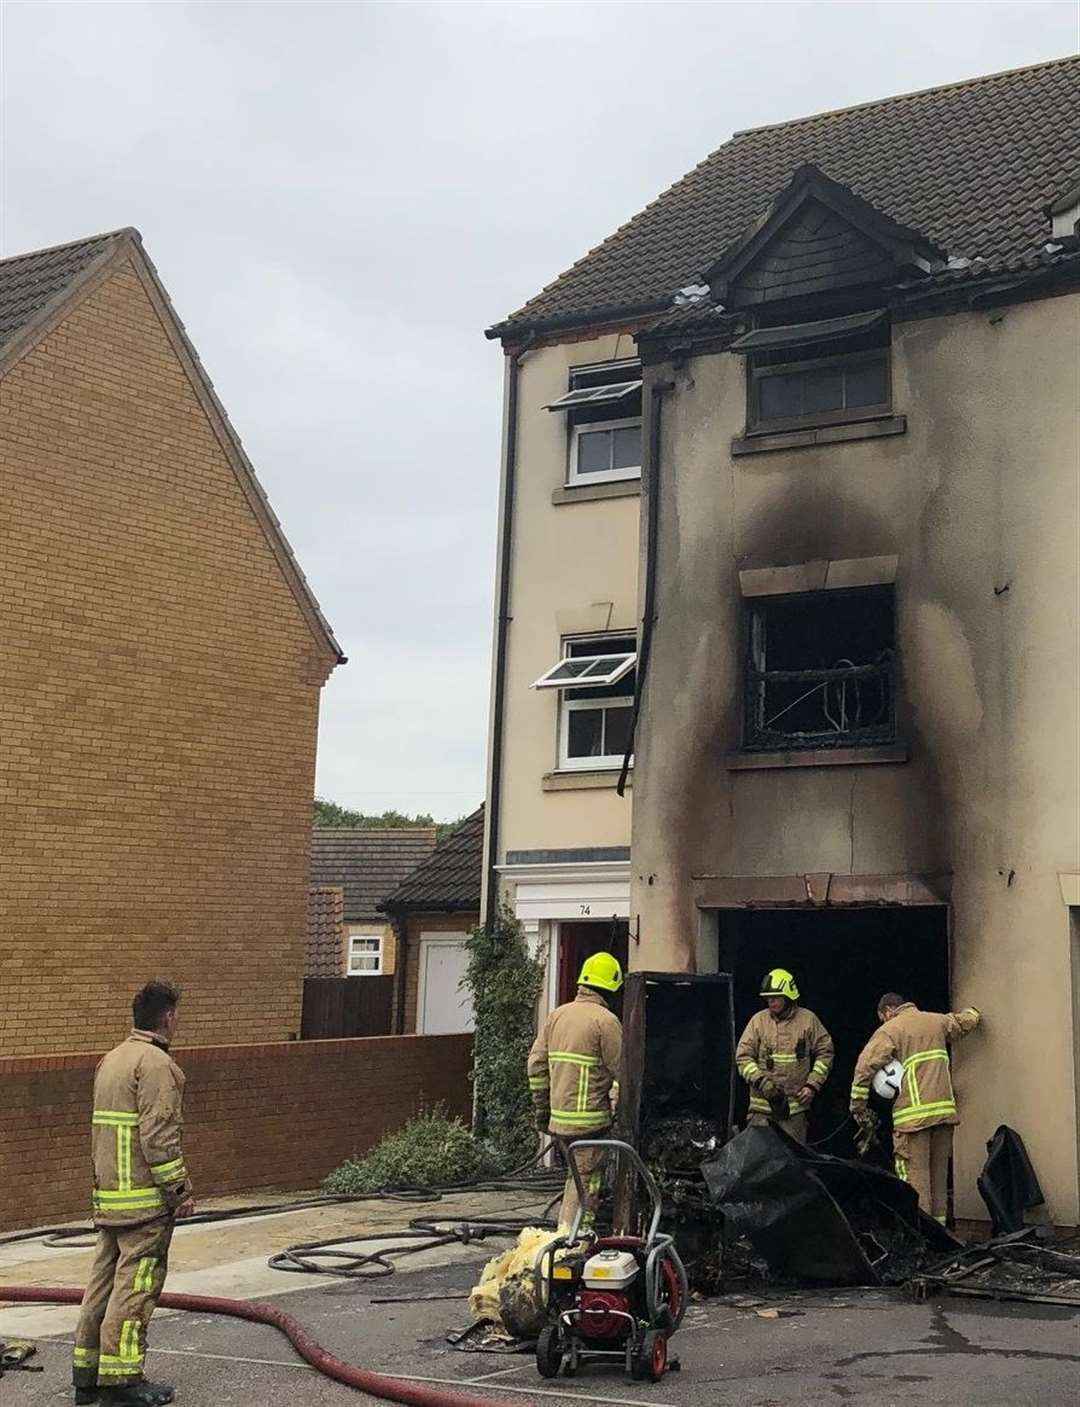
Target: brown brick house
(433, 910)
(161, 660)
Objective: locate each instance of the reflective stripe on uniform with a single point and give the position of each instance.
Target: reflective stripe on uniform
(946, 1107)
(114, 1116)
(84, 1357)
(585, 1119)
(781, 1057)
(539, 1082)
(901, 1167)
(144, 1275)
(128, 1362)
(860, 1092)
(819, 1068)
(749, 1068)
(169, 1172)
(134, 1199)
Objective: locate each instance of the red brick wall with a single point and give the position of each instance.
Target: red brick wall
(256, 1117)
(159, 695)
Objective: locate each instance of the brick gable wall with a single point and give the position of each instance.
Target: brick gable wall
(159, 691)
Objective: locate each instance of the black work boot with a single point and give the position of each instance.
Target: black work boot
(84, 1396)
(138, 1393)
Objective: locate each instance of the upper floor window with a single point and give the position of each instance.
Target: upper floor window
(603, 411)
(821, 670)
(596, 681)
(823, 373)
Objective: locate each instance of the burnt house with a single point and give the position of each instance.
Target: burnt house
(857, 741)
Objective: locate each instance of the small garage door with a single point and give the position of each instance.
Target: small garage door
(442, 1008)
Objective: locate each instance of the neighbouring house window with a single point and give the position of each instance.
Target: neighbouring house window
(820, 670)
(365, 956)
(603, 413)
(800, 376)
(595, 678)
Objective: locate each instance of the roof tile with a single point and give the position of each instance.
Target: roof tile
(972, 166)
(29, 281)
(449, 879)
(367, 864)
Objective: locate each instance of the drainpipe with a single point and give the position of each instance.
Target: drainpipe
(652, 528)
(494, 806)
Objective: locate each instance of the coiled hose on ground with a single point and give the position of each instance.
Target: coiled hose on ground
(380, 1385)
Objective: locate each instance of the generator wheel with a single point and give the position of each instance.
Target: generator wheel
(549, 1354)
(652, 1356)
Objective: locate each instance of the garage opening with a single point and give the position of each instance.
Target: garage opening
(843, 960)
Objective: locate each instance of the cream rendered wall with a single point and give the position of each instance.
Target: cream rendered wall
(574, 571)
(981, 494)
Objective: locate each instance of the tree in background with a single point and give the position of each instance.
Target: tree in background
(328, 814)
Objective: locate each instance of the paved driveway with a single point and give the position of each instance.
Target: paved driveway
(868, 1347)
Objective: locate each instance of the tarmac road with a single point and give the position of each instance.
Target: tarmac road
(869, 1347)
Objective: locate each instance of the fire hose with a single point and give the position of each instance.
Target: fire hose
(379, 1385)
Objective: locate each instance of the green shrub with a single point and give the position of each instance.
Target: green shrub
(431, 1150)
(505, 981)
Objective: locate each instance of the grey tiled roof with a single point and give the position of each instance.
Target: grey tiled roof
(449, 880)
(29, 281)
(367, 864)
(972, 166)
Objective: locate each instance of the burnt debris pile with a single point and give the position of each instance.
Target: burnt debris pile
(816, 1220)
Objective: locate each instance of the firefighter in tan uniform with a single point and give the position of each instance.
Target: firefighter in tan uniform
(924, 1113)
(140, 1187)
(574, 1076)
(785, 1055)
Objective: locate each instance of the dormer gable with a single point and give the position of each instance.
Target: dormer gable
(818, 237)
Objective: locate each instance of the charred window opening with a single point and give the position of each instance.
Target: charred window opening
(843, 380)
(821, 670)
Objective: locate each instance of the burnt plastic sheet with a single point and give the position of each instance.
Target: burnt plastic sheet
(1007, 1183)
(817, 1219)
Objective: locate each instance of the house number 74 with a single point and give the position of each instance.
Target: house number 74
(586, 908)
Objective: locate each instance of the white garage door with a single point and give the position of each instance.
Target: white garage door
(442, 1008)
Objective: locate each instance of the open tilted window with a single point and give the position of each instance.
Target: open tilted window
(596, 680)
(603, 411)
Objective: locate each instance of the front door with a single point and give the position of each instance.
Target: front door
(578, 941)
(442, 1007)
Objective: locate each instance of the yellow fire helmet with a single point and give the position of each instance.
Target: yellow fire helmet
(601, 970)
(779, 983)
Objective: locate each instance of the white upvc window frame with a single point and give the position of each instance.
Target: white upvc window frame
(619, 663)
(595, 762)
(600, 476)
(379, 953)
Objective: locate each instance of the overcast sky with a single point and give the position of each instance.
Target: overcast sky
(341, 197)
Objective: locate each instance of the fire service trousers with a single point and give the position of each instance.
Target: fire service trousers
(125, 1283)
(795, 1127)
(589, 1164)
(922, 1158)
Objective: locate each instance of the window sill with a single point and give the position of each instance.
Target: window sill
(590, 493)
(816, 757)
(571, 780)
(821, 435)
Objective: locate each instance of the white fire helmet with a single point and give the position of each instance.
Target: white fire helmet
(888, 1080)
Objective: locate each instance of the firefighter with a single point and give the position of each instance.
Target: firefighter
(140, 1188)
(785, 1056)
(924, 1112)
(574, 1076)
